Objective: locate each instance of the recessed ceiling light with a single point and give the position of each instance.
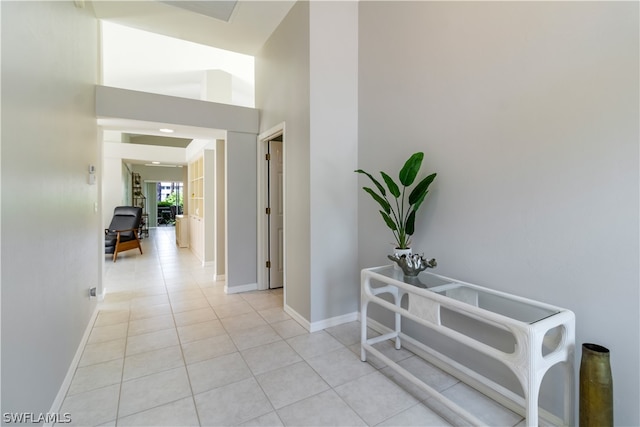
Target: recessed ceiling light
(156, 163)
(166, 130)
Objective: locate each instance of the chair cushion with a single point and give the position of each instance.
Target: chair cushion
(110, 240)
(122, 222)
(127, 211)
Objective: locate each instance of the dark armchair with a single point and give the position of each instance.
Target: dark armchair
(122, 233)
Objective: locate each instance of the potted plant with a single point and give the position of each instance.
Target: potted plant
(399, 213)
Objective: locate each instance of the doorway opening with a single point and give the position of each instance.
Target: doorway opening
(271, 155)
(275, 213)
(169, 202)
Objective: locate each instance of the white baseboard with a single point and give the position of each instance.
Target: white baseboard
(240, 288)
(66, 383)
(297, 317)
(333, 321)
(322, 324)
(220, 277)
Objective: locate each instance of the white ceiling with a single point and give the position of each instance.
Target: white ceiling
(219, 9)
(250, 24)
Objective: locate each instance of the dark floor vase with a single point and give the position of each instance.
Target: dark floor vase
(596, 387)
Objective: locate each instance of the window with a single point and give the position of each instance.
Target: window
(170, 201)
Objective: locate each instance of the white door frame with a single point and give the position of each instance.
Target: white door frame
(263, 250)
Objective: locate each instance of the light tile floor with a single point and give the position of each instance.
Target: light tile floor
(170, 348)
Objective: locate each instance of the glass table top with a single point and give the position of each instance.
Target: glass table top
(524, 311)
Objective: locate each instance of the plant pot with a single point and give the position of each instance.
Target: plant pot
(399, 252)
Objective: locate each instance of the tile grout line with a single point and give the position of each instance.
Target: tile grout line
(333, 389)
(124, 359)
(184, 360)
(253, 376)
(125, 353)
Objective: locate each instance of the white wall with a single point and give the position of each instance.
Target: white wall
(333, 156)
(241, 203)
(529, 114)
(49, 139)
(298, 83)
(111, 179)
(171, 66)
(282, 95)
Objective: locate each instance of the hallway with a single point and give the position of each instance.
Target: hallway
(170, 348)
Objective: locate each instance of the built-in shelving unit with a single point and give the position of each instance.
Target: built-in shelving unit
(201, 207)
(196, 207)
(196, 186)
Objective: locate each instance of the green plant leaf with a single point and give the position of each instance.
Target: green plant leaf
(420, 190)
(392, 225)
(420, 200)
(402, 238)
(411, 223)
(382, 201)
(393, 187)
(410, 169)
(401, 216)
(378, 185)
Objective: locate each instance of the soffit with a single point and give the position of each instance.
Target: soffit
(162, 141)
(139, 127)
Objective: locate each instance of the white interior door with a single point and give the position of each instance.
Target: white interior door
(276, 212)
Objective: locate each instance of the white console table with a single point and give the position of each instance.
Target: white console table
(544, 335)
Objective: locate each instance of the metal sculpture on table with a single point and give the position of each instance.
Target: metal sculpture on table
(411, 265)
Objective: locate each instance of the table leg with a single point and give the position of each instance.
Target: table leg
(397, 295)
(532, 408)
(568, 393)
(363, 327)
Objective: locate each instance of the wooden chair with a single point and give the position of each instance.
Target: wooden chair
(122, 234)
